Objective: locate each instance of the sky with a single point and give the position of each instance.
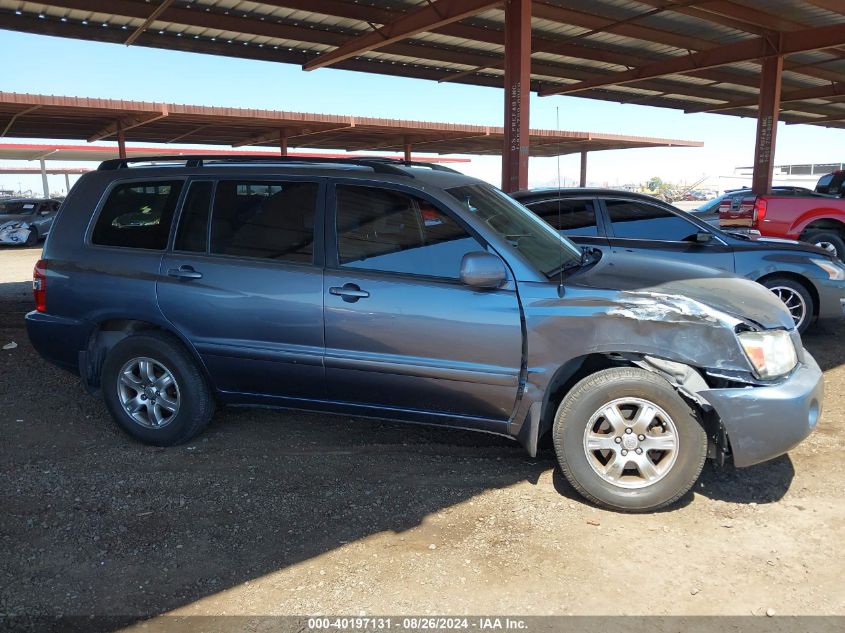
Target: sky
(48, 65)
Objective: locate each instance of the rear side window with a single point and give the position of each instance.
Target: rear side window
(643, 221)
(138, 215)
(266, 220)
(391, 231)
(572, 217)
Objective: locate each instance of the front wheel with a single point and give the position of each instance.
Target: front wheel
(31, 238)
(795, 297)
(626, 440)
(830, 241)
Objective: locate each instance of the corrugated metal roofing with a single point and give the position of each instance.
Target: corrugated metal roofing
(574, 40)
(43, 116)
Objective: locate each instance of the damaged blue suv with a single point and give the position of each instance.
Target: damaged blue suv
(411, 292)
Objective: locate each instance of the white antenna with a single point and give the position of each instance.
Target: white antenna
(559, 202)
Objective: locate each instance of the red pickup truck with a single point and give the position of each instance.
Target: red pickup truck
(818, 218)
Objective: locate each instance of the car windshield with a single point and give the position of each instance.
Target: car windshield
(16, 207)
(537, 241)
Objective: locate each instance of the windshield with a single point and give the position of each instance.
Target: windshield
(538, 242)
(16, 207)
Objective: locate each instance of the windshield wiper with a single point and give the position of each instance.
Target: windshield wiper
(586, 259)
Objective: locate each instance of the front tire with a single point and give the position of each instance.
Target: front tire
(830, 241)
(31, 237)
(154, 389)
(795, 297)
(626, 440)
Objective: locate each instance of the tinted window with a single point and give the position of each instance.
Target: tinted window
(642, 221)
(269, 220)
(138, 215)
(192, 234)
(380, 229)
(573, 217)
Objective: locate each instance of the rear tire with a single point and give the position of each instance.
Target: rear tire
(796, 298)
(830, 241)
(154, 389)
(645, 454)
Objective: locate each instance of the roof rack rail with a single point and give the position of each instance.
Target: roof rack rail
(413, 163)
(378, 165)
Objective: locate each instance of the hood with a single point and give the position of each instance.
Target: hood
(657, 286)
(758, 243)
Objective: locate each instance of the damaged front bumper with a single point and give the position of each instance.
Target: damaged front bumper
(14, 234)
(763, 422)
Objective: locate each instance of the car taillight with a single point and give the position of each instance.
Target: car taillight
(39, 285)
(760, 206)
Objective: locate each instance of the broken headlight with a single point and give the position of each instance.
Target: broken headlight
(771, 352)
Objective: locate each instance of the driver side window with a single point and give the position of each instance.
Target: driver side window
(391, 231)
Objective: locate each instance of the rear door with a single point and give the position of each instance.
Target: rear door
(244, 282)
(638, 226)
(402, 331)
(576, 218)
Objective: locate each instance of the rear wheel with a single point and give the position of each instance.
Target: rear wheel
(830, 241)
(626, 440)
(155, 391)
(795, 297)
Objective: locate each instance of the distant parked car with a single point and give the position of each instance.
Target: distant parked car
(709, 211)
(24, 221)
(807, 279)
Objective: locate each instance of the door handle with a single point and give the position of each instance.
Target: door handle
(184, 272)
(349, 292)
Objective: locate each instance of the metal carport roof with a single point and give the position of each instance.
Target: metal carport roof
(44, 116)
(694, 55)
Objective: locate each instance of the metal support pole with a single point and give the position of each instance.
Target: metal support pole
(283, 144)
(44, 182)
(517, 94)
(407, 148)
(121, 140)
(67, 183)
(583, 168)
(767, 124)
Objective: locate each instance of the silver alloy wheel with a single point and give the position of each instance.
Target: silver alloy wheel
(148, 392)
(793, 301)
(828, 246)
(631, 443)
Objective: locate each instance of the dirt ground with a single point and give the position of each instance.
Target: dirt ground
(273, 512)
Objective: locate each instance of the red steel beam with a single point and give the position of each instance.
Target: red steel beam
(121, 140)
(126, 124)
(431, 16)
(746, 50)
(767, 125)
(816, 92)
(517, 95)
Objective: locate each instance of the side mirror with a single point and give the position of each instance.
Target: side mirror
(481, 269)
(702, 237)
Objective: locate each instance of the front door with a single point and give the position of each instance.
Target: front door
(402, 331)
(244, 283)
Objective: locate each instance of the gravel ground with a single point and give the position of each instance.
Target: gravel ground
(275, 512)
